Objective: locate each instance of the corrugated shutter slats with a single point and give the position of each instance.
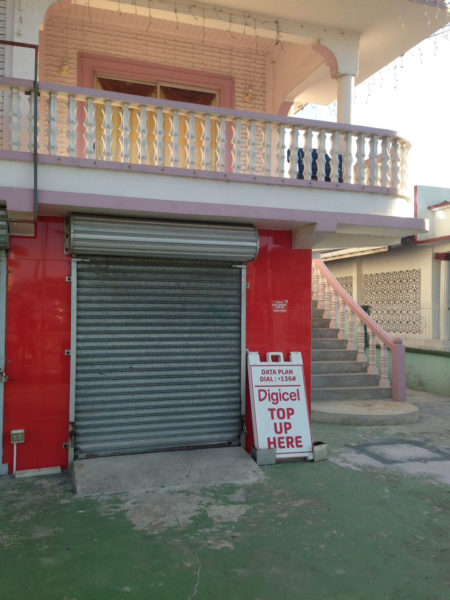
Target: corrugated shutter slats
(157, 355)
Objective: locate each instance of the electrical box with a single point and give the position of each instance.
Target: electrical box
(17, 436)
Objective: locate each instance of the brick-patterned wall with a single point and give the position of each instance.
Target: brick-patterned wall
(64, 37)
(2, 60)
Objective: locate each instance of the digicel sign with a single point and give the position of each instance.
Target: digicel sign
(279, 409)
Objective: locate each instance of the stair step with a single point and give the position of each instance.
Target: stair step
(320, 323)
(340, 380)
(324, 332)
(334, 355)
(328, 344)
(317, 313)
(351, 393)
(338, 366)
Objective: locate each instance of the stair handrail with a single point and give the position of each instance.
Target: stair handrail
(395, 345)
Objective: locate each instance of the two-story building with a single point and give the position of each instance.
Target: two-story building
(159, 209)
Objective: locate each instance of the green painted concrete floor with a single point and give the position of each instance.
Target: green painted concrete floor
(371, 523)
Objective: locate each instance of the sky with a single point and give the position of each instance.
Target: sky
(412, 97)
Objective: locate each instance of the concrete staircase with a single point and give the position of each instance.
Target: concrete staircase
(336, 375)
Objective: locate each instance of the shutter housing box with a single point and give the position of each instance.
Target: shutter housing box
(111, 236)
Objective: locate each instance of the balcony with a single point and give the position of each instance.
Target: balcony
(287, 159)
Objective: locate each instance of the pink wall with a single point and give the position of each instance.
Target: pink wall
(37, 334)
(279, 273)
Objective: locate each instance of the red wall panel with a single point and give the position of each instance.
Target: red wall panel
(37, 334)
(279, 273)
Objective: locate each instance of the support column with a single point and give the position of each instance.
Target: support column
(445, 301)
(345, 87)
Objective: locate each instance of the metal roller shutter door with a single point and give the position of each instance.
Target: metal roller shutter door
(158, 355)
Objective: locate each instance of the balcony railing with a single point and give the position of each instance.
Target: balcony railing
(105, 126)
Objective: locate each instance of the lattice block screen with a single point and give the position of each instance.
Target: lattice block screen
(395, 299)
(347, 283)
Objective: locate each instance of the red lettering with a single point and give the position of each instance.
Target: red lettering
(281, 414)
(272, 413)
(287, 427)
(272, 442)
(278, 427)
(290, 412)
(289, 441)
(262, 394)
(298, 441)
(281, 442)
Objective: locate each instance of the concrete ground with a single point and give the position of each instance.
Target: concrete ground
(371, 523)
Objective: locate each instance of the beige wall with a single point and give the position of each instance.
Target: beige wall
(64, 36)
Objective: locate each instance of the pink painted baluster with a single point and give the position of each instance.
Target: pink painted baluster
(221, 145)
(384, 381)
(361, 356)
(351, 330)
(372, 369)
(342, 335)
(334, 309)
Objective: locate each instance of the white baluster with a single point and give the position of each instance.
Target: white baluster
(221, 144)
(372, 369)
(384, 381)
(360, 156)
(159, 137)
(125, 132)
(90, 128)
(384, 175)
(351, 345)
(268, 149)
(31, 122)
(281, 150)
(73, 123)
(206, 142)
(190, 146)
(15, 119)
(321, 139)
(347, 162)
(237, 145)
(361, 356)
(373, 160)
(342, 335)
(315, 281)
(175, 138)
(108, 129)
(293, 157)
(307, 159)
(404, 166)
(334, 159)
(143, 133)
(252, 146)
(395, 164)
